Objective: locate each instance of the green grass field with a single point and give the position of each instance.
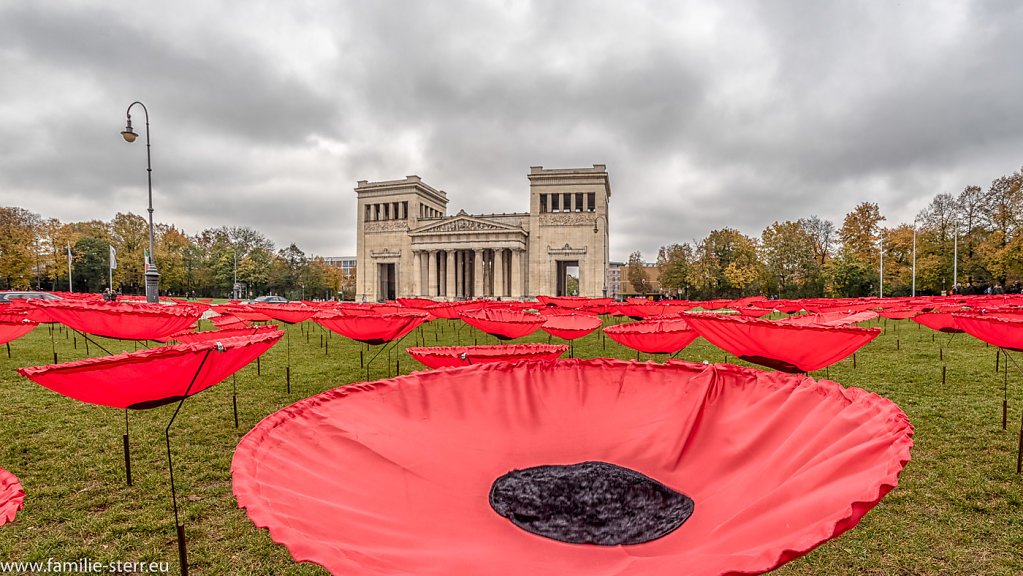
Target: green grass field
(958, 508)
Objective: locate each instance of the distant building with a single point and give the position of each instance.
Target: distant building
(345, 263)
(614, 278)
(651, 288)
(408, 246)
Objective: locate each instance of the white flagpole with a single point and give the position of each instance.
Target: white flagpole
(955, 258)
(880, 285)
(914, 259)
(69, 288)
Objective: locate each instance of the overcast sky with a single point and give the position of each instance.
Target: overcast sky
(707, 114)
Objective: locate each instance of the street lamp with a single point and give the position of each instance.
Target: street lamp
(152, 276)
(604, 252)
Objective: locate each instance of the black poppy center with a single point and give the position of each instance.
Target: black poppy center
(589, 503)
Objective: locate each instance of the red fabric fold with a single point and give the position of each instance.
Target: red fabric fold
(120, 320)
(785, 347)
(12, 496)
(503, 323)
(13, 330)
(152, 377)
(1001, 331)
(571, 326)
(446, 356)
(371, 327)
(655, 336)
(392, 477)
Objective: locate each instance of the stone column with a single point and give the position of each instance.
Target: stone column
(478, 271)
(499, 272)
(431, 274)
(516, 274)
(449, 268)
(416, 273)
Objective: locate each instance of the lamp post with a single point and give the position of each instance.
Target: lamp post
(603, 268)
(152, 276)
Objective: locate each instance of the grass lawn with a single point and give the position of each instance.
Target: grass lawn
(958, 508)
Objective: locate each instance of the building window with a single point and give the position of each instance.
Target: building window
(592, 202)
(578, 202)
(543, 203)
(555, 203)
(404, 210)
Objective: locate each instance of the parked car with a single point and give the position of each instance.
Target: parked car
(269, 300)
(9, 296)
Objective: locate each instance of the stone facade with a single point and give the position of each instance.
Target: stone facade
(409, 247)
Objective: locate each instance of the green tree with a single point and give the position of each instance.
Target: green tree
(635, 273)
(675, 262)
(789, 260)
(91, 261)
(18, 258)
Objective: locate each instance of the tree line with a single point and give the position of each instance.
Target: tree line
(973, 237)
(34, 254)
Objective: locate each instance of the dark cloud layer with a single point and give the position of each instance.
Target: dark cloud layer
(708, 115)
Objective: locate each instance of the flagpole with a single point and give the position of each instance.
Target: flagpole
(69, 288)
(955, 258)
(914, 259)
(880, 285)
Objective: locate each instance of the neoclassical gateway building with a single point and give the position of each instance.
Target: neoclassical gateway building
(408, 245)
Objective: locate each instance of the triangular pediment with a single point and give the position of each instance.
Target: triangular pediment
(463, 223)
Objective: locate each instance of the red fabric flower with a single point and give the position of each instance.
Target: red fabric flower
(392, 477)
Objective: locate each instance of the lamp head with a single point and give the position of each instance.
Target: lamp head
(129, 134)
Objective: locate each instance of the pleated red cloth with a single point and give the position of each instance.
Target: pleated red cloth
(1002, 331)
(656, 336)
(571, 326)
(192, 337)
(290, 313)
(392, 477)
(371, 327)
(12, 496)
(446, 356)
(503, 323)
(14, 330)
(135, 321)
(153, 377)
(940, 321)
(785, 347)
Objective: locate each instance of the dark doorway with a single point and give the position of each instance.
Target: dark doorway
(386, 282)
(568, 278)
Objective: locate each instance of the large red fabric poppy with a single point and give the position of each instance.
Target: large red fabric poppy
(289, 313)
(372, 328)
(228, 322)
(14, 330)
(121, 320)
(657, 336)
(153, 377)
(572, 301)
(505, 324)
(1001, 331)
(192, 337)
(571, 326)
(392, 477)
(785, 347)
(447, 356)
(242, 311)
(940, 321)
(12, 496)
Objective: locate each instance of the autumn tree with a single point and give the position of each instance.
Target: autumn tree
(18, 259)
(674, 263)
(790, 261)
(635, 273)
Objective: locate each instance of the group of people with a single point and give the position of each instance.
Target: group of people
(971, 290)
